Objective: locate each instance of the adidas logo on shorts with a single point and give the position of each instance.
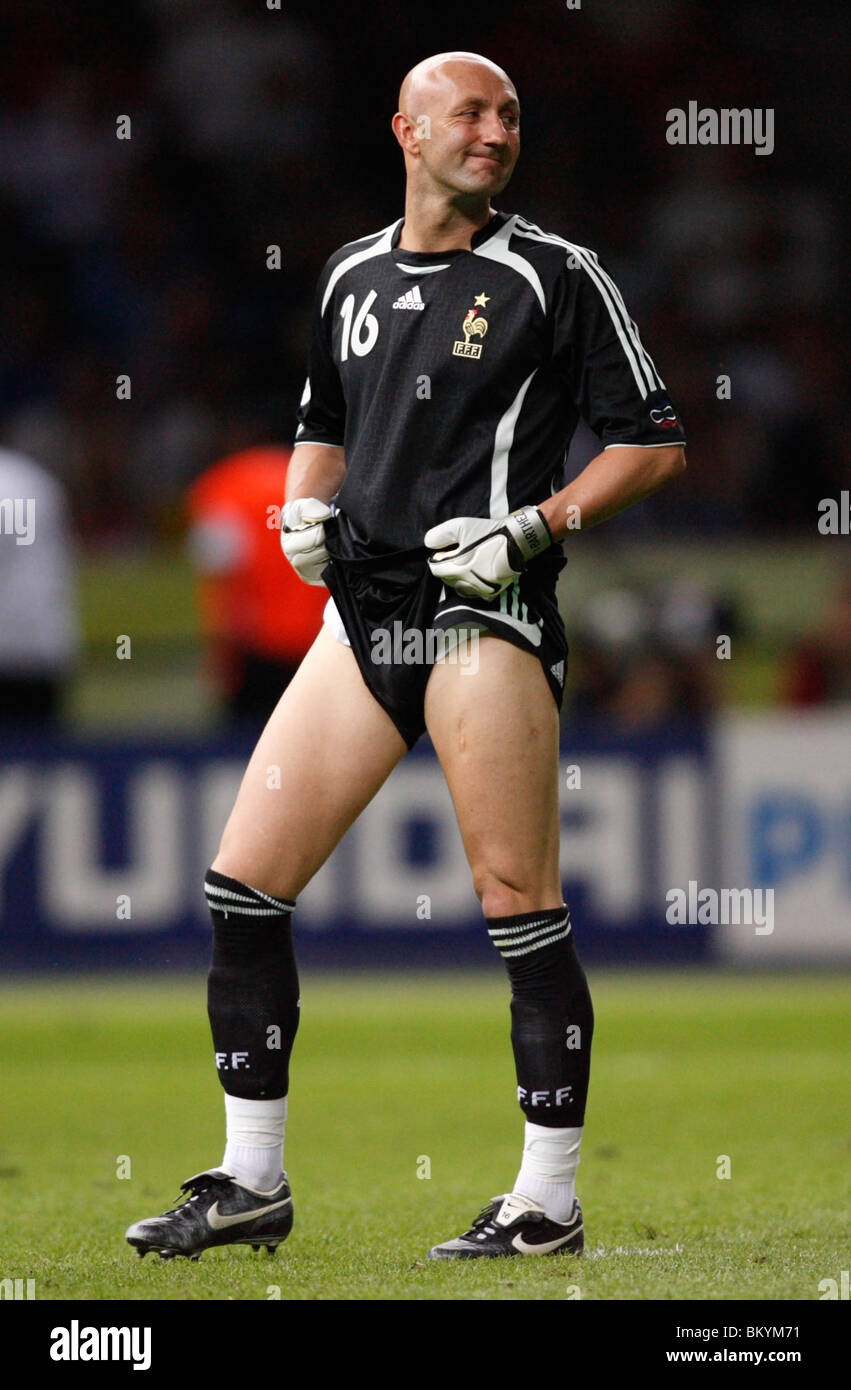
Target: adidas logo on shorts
(558, 672)
(410, 300)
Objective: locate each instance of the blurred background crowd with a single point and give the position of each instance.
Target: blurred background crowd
(253, 126)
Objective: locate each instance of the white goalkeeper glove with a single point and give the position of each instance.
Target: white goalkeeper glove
(481, 558)
(303, 537)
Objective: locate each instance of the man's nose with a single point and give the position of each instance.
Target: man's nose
(492, 130)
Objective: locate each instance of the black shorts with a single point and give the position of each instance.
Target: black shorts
(397, 617)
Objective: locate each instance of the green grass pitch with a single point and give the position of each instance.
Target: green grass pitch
(397, 1076)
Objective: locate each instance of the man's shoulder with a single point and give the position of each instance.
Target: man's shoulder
(531, 240)
(564, 268)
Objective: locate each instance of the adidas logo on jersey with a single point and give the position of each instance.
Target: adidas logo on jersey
(558, 672)
(410, 300)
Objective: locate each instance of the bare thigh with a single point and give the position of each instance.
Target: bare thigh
(495, 732)
(326, 750)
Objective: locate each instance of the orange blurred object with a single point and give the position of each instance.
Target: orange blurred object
(257, 616)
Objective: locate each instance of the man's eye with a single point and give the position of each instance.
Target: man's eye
(508, 118)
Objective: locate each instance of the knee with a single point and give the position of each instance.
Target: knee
(225, 863)
(507, 892)
(250, 869)
(237, 853)
(233, 866)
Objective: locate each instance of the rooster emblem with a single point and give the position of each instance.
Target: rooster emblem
(474, 326)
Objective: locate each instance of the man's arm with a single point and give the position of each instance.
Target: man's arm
(315, 470)
(314, 474)
(616, 389)
(481, 558)
(613, 480)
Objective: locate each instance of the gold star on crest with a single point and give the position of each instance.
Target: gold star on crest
(481, 300)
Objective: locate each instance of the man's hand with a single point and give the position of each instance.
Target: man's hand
(481, 558)
(303, 537)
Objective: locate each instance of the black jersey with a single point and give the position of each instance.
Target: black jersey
(454, 380)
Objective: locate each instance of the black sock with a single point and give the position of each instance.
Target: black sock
(252, 988)
(552, 1021)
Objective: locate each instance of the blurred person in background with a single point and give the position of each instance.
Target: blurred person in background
(689, 620)
(257, 617)
(38, 622)
(817, 670)
(646, 659)
(613, 631)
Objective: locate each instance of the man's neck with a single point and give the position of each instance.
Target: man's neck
(441, 226)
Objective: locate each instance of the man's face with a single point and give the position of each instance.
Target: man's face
(474, 126)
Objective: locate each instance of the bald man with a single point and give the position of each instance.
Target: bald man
(451, 356)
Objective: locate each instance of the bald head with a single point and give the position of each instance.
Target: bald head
(423, 83)
(458, 124)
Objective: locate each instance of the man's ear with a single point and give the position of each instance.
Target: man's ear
(406, 132)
